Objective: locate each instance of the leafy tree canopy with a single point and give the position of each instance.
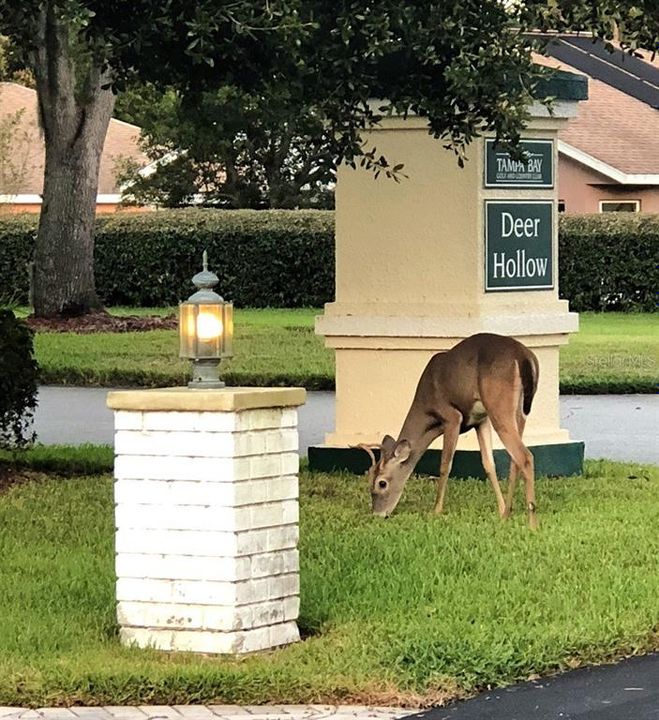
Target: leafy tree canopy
(12, 68)
(466, 64)
(237, 150)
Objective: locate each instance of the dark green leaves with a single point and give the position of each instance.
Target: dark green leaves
(18, 381)
(465, 65)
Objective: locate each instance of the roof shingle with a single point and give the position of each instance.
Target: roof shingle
(121, 140)
(613, 127)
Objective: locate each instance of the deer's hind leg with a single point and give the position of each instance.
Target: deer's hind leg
(514, 470)
(502, 397)
(484, 433)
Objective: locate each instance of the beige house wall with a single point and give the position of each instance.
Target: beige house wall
(582, 189)
(101, 209)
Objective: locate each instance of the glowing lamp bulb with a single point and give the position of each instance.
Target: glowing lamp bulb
(209, 326)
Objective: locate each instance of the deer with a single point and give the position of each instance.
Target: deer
(484, 381)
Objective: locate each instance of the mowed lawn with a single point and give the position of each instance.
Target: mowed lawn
(414, 610)
(613, 352)
(271, 347)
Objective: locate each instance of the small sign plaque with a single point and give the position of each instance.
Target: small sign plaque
(535, 170)
(518, 245)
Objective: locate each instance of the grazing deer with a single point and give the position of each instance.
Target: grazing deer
(486, 380)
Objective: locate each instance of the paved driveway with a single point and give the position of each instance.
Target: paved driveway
(618, 427)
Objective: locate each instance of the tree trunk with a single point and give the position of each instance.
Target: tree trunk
(75, 113)
(64, 258)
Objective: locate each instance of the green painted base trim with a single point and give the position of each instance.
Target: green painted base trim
(550, 460)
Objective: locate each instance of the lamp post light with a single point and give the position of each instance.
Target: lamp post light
(205, 330)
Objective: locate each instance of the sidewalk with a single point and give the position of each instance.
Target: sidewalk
(207, 712)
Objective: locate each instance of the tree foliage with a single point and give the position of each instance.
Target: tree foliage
(12, 68)
(237, 150)
(15, 141)
(15, 137)
(465, 64)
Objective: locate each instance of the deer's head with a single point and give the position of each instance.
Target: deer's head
(388, 475)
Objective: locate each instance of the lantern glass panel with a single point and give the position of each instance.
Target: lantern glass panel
(209, 328)
(201, 329)
(227, 350)
(209, 323)
(187, 330)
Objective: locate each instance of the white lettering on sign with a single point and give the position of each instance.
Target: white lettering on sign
(518, 227)
(518, 266)
(508, 165)
(535, 165)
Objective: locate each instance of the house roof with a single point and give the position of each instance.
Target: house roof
(618, 132)
(635, 76)
(121, 141)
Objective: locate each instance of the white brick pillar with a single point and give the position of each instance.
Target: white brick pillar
(206, 493)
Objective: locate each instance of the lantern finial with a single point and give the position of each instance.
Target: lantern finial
(206, 279)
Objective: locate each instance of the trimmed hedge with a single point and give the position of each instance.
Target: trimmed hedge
(281, 258)
(609, 261)
(17, 238)
(262, 258)
(267, 258)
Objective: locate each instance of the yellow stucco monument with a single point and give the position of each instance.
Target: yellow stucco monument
(446, 253)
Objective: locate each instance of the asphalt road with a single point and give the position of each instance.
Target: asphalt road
(618, 427)
(628, 690)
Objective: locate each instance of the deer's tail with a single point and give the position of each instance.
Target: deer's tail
(528, 370)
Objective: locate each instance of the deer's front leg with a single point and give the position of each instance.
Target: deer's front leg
(451, 435)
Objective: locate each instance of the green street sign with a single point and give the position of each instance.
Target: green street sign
(535, 170)
(518, 245)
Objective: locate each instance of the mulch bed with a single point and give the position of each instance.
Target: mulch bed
(103, 322)
(11, 476)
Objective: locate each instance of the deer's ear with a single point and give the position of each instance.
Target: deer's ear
(402, 451)
(388, 445)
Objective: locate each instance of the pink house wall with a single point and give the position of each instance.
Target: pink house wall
(582, 189)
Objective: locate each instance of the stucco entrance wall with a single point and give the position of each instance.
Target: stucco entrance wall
(410, 280)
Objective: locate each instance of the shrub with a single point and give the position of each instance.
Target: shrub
(18, 234)
(18, 381)
(280, 258)
(269, 258)
(609, 261)
(272, 258)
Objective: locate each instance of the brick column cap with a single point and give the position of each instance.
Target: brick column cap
(184, 399)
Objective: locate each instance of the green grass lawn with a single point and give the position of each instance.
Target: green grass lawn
(613, 352)
(414, 609)
(271, 347)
